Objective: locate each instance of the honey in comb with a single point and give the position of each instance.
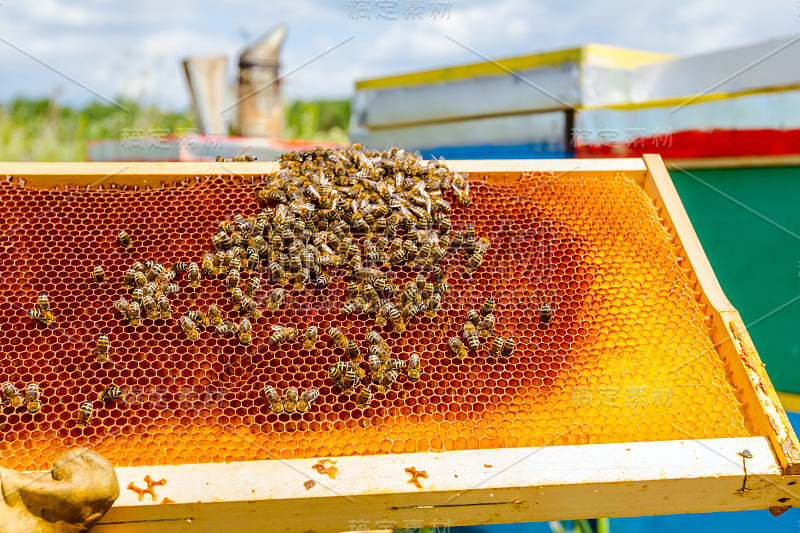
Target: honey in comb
(607, 368)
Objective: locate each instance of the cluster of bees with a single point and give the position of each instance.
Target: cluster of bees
(33, 400)
(346, 213)
(292, 400)
(151, 283)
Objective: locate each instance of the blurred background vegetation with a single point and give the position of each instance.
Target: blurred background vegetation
(43, 130)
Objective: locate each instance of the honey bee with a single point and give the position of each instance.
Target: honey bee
(473, 316)
(300, 278)
(508, 346)
(134, 314)
(38, 314)
(137, 295)
(245, 332)
(323, 281)
(227, 327)
(364, 396)
(427, 291)
(98, 274)
(164, 309)
(151, 289)
(198, 317)
(351, 306)
(290, 400)
(310, 338)
(250, 307)
(420, 281)
(155, 270)
(469, 239)
(85, 412)
(111, 393)
(172, 288)
(189, 328)
(193, 274)
(236, 298)
(339, 339)
(344, 375)
(221, 240)
(374, 338)
(278, 273)
(101, 348)
(282, 334)
(395, 364)
(139, 279)
(546, 313)
(130, 278)
(33, 398)
(413, 368)
(433, 305)
(124, 239)
(396, 319)
(379, 351)
(442, 288)
(232, 281)
(457, 347)
(304, 403)
(375, 368)
(150, 307)
(457, 240)
(207, 264)
(471, 335)
(121, 305)
(444, 224)
(398, 257)
(488, 306)
(486, 326)
(275, 403)
(389, 378)
(219, 262)
(252, 285)
(352, 350)
(475, 261)
(43, 303)
(214, 315)
(496, 347)
(275, 299)
(11, 395)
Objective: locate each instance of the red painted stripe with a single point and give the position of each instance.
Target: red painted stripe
(696, 143)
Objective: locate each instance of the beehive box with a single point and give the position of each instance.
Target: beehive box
(639, 397)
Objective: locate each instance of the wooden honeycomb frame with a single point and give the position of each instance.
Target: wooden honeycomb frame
(481, 486)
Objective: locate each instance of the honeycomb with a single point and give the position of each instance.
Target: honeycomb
(627, 356)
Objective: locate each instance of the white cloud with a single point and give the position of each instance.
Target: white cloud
(135, 47)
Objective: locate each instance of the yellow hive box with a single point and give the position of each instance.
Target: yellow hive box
(639, 396)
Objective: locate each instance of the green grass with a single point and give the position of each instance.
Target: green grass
(42, 130)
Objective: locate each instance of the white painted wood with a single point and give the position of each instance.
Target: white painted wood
(765, 64)
(462, 487)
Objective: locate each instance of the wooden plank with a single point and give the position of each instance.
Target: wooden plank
(141, 174)
(461, 487)
(154, 174)
(727, 329)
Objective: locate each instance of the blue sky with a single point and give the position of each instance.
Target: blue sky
(134, 48)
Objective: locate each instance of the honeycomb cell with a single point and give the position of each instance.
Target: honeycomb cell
(626, 357)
